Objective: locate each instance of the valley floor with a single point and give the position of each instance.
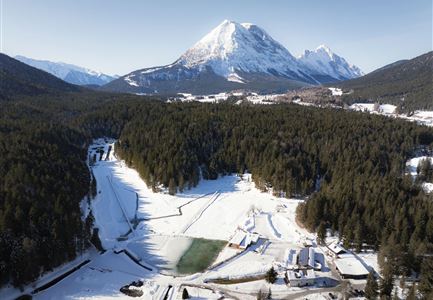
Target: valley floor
(146, 234)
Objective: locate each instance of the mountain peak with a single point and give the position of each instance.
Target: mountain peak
(325, 49)
(322, 61)
(245, 47)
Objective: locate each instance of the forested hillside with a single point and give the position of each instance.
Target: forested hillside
(17, 78)
(356, 159)
(43, 179)
(407, 84)
(43, 148)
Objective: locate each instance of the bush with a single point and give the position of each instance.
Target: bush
(271, 275)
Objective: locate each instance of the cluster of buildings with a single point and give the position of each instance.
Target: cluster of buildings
(300, 265)
(304, 258)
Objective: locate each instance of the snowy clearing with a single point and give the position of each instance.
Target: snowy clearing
(412, 166)
(156, 229)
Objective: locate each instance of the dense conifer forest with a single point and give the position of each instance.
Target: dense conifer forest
(43, 177)
(351, 165)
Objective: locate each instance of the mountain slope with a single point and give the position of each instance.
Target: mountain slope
(326, 66)
(407, 83)
(17, 78)
(67, 72)
(232, 56)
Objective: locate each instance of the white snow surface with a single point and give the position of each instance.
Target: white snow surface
(225, 202)
(386, 109)
(130, 81)
(336, 91)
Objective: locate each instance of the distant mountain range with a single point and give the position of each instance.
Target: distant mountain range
(69, 73)
(17, 79)
(406, 83)
(238, 56)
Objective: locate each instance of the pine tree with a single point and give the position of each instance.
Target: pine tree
(260, 295)
(185, 294)
(395, 295)
(411, 295)
(426, 278)
(386, 283)
(172, 187)
(371, 287)
(321, 233)
(269, 296)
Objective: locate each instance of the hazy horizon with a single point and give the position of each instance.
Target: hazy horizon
(118, 37)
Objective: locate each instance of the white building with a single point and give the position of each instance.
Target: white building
(242, 239)
(306, 258)
(350, 267)
(301, 278)
(336, 249)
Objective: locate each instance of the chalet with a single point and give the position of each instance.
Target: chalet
(300, 278)
(306, 258)
(336, 249)
(242, 239)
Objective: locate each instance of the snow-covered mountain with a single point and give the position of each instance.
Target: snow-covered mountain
(326, 66)
(232, 56)
(67, 72)
(233, 48)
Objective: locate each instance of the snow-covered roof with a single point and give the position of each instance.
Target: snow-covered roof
(238, 237)
(301, 275)
(311, 254)
(350, 265)
(290, 258)
(303, 257)
(336, 248)
(254, 237)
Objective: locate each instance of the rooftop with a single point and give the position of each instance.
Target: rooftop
(301, 274)
(350, 265)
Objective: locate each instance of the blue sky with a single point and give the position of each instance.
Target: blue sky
(120, 36)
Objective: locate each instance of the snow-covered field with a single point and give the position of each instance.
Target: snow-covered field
(419, 116)
(215, 98)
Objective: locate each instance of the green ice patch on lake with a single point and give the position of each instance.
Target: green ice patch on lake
(199, 256)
